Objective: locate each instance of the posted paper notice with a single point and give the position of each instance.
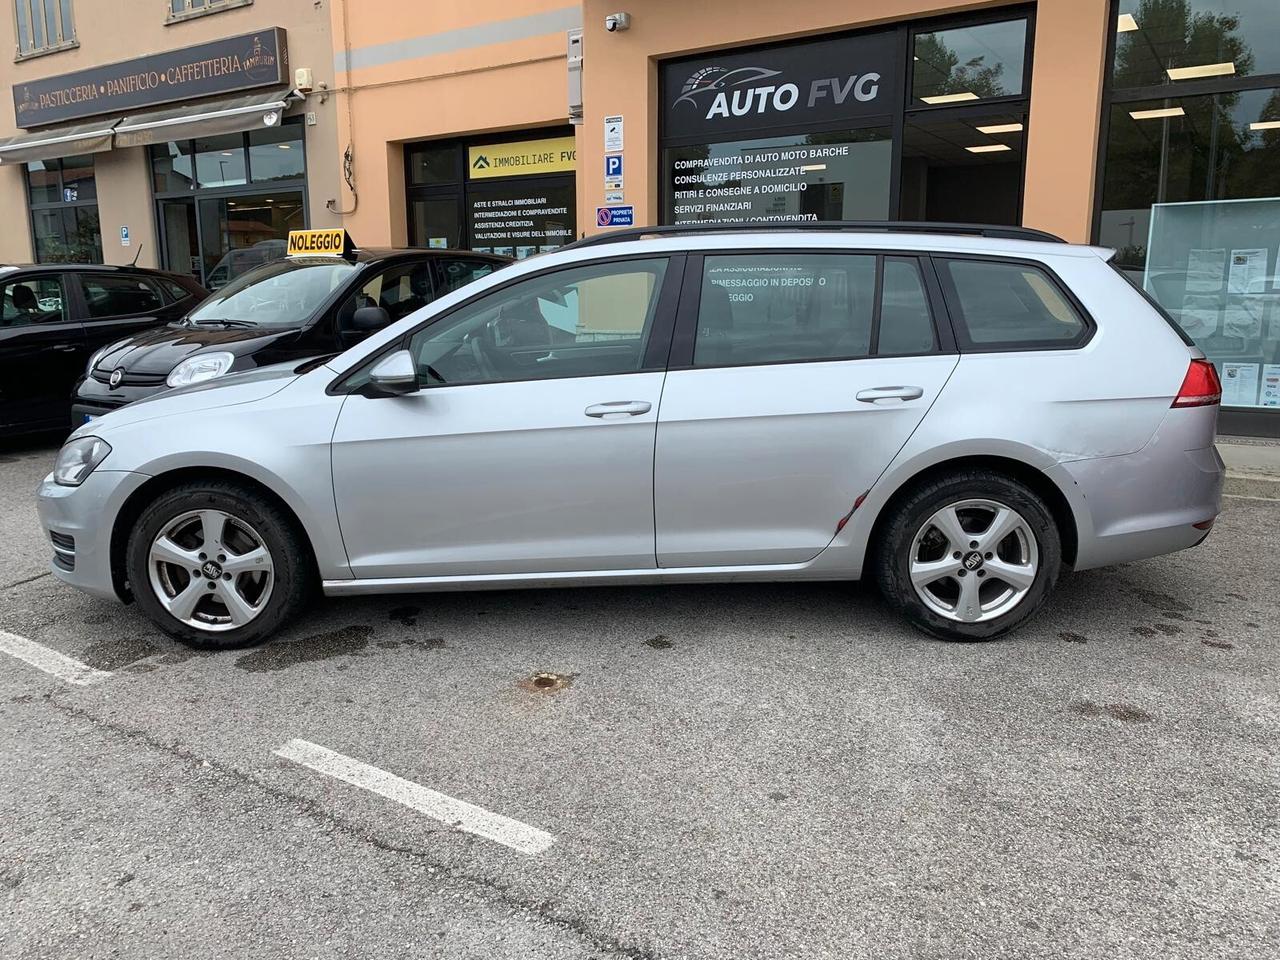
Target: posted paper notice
(1240, 384)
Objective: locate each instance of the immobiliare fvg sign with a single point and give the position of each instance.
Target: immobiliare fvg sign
(229, 65)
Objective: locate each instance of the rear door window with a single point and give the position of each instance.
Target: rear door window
(1002, 304)
(110, 295)
(794, 308)
(457, 272)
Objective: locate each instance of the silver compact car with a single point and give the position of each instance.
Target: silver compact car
(959, 413)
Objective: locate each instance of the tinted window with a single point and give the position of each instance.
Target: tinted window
(906, 325)
(969, 63)
(37, 300)
(399, 291)
(581, 322)
(116, 296)
(773, 308)
(175, 290)
(1011, 304)
(458, 273)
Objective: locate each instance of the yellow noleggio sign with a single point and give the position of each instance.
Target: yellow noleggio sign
(311, 243)
(552, 155)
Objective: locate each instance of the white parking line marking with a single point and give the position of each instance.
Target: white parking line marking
(456, 813)
(50, 661)
(1241, 496)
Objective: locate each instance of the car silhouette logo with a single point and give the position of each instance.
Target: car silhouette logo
(116, 376)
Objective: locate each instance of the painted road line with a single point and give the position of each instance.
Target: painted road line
(456, 813)
(50, 661)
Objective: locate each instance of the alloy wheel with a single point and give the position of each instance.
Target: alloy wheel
(211, 570)
(973, 560)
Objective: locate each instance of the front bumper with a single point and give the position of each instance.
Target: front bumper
(92, 399)
(79, 522)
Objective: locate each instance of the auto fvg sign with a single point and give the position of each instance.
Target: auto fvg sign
(797, 84)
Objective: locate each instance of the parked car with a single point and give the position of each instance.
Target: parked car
(288, 309)
(54, 316)
(959, 414)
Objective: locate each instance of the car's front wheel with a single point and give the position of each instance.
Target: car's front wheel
(217, 565)
(969, 556)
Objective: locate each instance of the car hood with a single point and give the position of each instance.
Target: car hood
(159, 350)
(225, 391)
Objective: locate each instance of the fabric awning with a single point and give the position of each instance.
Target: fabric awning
(207, 118)
(71, 141)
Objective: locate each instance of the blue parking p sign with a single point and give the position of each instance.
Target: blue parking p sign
(613, 166)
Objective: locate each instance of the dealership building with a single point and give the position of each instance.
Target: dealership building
(1150, 126)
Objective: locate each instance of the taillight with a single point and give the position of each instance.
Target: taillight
(1200, 387)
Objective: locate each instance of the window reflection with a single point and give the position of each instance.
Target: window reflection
(969, 63)
(1169, 41)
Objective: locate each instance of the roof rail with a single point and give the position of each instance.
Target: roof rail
(852, 226)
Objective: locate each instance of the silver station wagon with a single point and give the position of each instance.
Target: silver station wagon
(959, 413)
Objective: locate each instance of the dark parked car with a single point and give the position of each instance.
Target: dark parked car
(291, 309)
(53, 317)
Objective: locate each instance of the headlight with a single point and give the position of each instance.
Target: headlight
(78, 458)
(98, 355)
(207, 366)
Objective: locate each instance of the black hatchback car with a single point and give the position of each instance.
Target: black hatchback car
(291, 309)
(53, 317)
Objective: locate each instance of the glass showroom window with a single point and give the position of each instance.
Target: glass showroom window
(64, 211)
(1190, 177)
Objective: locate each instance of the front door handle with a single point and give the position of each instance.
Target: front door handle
(890, 393)
(66, 347)
(630, 408)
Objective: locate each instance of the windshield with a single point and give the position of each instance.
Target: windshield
(285, 293)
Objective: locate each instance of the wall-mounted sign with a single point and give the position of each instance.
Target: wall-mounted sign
(522, 158)
(615, 216)
(221, 66)
(802, 83)
(613, 171)
(124, 237)
(613, 134)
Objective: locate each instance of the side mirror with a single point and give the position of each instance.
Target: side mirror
(368, 319)
(394, 375)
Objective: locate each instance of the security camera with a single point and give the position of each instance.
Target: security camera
(615, 22)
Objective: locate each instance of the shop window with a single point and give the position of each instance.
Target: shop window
(959, 166)
(970, 63)
(275, 153)
(44, 26)
(814, 176)
(220, 161)
(1176, 41)
(432, 164)
(64, 210)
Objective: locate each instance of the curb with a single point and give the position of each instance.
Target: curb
(1251, 485)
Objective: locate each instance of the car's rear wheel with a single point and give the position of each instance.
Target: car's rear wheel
(969, 556)
(217, 565)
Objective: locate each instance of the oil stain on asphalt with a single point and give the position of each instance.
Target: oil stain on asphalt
(344, 642)
(1116, 711)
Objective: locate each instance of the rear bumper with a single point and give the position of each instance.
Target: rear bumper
(79, 521)
(1147, 503)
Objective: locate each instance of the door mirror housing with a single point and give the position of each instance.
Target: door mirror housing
(394, 375)
(368, 319)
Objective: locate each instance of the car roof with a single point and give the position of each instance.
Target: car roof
(871, 239)
(378, 254)
(8, 270)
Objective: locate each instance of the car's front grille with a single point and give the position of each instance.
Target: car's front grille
(130, 379)
(64, 549)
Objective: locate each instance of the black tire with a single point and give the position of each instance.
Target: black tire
(293, 579)
(891, 562)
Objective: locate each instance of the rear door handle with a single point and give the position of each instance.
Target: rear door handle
(630, 408)
(66, 348)
(890, 393)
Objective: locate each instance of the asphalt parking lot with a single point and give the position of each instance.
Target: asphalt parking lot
(731, 771)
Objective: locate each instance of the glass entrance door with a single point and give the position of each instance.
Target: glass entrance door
(179, 238)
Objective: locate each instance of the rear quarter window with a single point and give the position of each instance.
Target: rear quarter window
(1010, 305)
